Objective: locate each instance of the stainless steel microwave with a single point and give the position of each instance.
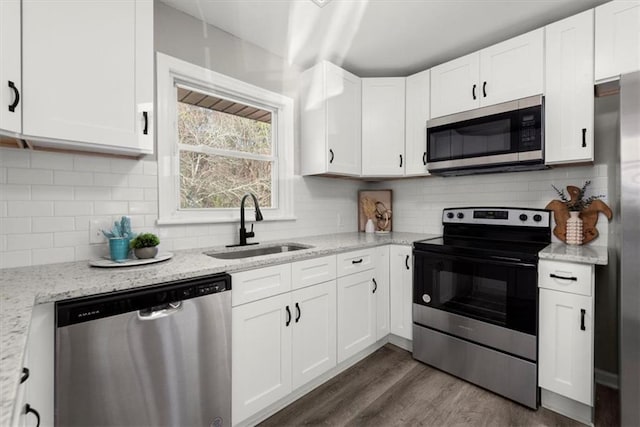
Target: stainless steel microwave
(497, 138)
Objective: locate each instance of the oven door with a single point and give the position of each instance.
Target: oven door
(498, 292)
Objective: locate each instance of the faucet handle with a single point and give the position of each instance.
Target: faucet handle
(250, 233)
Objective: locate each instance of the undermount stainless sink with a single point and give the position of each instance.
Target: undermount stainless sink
(236, 253)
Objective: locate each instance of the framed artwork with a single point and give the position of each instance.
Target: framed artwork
(375, 205)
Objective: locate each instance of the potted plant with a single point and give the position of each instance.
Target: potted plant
(144, 245)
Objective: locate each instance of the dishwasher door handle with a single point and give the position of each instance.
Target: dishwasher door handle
(167, 310)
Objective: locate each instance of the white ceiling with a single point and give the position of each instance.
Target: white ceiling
(376, 38)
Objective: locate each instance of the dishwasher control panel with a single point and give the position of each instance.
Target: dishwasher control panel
(84, 309)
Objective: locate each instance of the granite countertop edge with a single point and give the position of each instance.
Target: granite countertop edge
(586, 254)
(22, 288)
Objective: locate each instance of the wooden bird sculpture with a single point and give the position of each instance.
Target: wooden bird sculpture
(588, 214)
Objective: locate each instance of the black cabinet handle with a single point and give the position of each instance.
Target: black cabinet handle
(424, 158)
(288, 316)
(357, 262)
(575, 279)
(400, 160)
(332, 156)
(584, 137)
(16, 97)
(298, 312)
(473, 91)
(582, 314)
(484, 89)
(406, 262)
(25, 375)
(28, 409)
(375, 285)
(145, 130)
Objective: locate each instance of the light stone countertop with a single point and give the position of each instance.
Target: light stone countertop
(586, 254)
(21, 288)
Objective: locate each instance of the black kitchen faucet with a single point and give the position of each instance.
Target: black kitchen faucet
(243, 231)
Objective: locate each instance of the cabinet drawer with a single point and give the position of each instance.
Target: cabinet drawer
(566, 276)
(261, 283)
(355, 261)
(312, 271)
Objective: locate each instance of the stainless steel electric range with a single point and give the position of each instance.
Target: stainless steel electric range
(475, 298)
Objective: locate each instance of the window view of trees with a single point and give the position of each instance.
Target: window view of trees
(223, 156)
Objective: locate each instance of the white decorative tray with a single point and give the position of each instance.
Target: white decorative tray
(107, 263)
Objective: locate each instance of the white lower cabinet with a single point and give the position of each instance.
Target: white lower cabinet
(565, 337)
(356, 313)
(566, 345)
(281, 342)
(314, 332)
(381, 277)
(401, 291)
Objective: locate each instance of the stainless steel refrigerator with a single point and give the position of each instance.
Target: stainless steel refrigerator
(629, 249)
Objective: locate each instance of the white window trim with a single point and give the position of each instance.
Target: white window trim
(171, 70)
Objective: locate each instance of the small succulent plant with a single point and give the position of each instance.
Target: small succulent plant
(144, 240)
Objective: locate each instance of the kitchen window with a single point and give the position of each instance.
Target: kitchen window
(219, 138)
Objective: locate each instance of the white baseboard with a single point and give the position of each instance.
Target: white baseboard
(401, 342)
(605, 378)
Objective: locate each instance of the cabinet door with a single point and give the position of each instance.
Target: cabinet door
(10, 76)
(383, 126)
(569, 100)
(344, 116)
(401, 280)
(417, 114)
(617, 39)
(454, 86)
(261, 349)
(89, 70)
(314, 332)
(512, 69)
(566, 349)
(381, 287)
(356, 314)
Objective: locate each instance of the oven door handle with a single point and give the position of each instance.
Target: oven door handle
(506, 261)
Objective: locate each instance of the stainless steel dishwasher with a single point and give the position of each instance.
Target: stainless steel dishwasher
(155, 356)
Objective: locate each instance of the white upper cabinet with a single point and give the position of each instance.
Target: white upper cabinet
(512, 69)
(569, 102)
(10, 77)
(330, 104)
(87, 71)
(383, 126)
(454, 85)
(503, 72)
(617, 39)
(416, 116)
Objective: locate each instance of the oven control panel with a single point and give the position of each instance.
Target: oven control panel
(523, 217)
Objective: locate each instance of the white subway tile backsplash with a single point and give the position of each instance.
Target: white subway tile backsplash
(51, 224)
(50, 256)
(55, 161)
(127, 166)
(51, 192)
(19, 242)
(92, 193)
(110, 179)
(3, 175)
(29, 208)
(14, 225)
(3, 242)
(141, 208)
(150, 168)
(15, 259)
(15, 158)
(70, 238)
(15, 192)
(143, 181)
(111, 208)
(29, 176)
(72, 178)
(150, 194)
(87, 163)
(129, 194)
(68, 208)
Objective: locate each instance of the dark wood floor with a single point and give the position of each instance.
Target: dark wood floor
(390, 388)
